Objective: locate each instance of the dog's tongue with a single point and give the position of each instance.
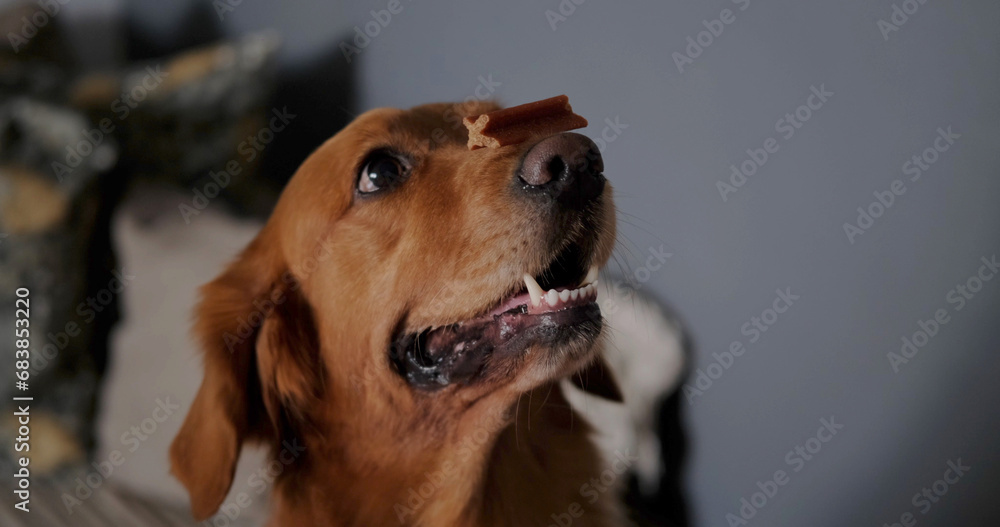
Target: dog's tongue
(521, 299)
(456, 353)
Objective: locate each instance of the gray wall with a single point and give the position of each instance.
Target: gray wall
(827, 354)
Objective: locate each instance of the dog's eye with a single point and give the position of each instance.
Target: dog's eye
(380, 171)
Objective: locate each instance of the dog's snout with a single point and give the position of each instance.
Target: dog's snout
(568, 167)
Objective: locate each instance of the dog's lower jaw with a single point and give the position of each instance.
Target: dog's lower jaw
(516, 464)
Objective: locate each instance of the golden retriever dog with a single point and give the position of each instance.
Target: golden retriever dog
(404, 319)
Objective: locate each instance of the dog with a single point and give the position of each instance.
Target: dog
(404, 319)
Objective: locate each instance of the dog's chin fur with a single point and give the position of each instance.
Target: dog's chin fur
(295, 335)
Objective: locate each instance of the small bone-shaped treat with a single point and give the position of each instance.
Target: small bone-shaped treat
(511, 126)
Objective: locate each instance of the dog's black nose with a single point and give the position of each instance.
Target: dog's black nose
(568, 167)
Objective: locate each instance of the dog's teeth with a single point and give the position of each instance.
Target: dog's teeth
(574, 294)
(534, 289)
(552, 297)
(564, 295)
(591, 275)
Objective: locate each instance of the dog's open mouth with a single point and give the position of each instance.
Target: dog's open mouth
(556, 307)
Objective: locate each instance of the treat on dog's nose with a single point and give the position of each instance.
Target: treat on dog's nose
(511, 126)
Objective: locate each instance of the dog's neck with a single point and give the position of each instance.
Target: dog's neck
(522, 464)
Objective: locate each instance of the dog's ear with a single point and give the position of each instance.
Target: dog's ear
(288, 360)
(598, 380)
(260, 351)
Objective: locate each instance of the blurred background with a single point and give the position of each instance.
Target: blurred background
(811, 187)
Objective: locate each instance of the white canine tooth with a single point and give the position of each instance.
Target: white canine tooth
(591, 275)
(574, 294)
(534, 290)
(564, 295)
(552, 297)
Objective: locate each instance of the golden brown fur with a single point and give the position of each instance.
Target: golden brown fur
(294, 335)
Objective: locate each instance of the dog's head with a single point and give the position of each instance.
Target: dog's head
(401, 282)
